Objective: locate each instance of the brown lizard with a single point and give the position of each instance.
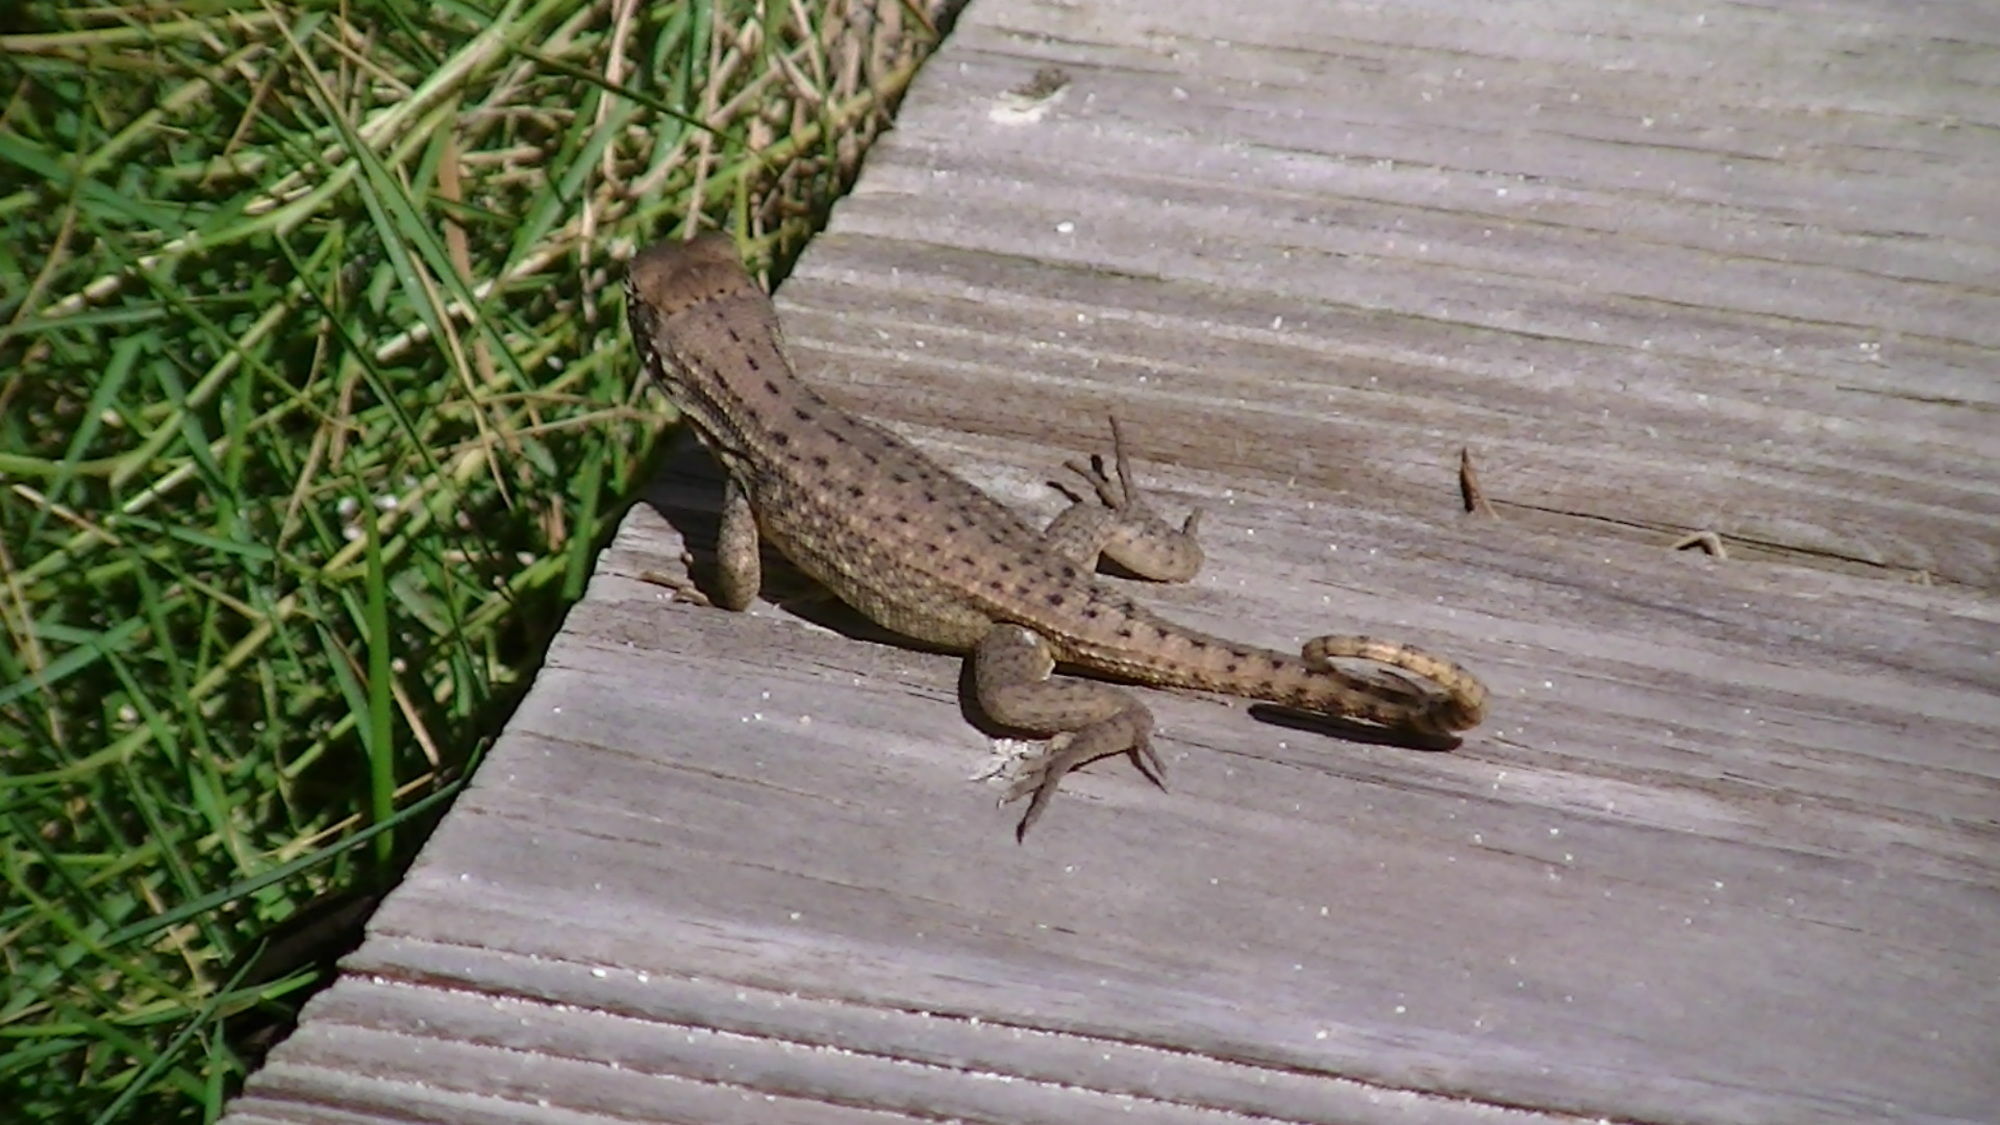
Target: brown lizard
(925, 554)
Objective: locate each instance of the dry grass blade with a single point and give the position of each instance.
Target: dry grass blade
(313, 408)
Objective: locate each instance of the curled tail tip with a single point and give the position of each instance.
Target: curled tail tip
(1459, 710)
(1461, 702)
(1464, 703)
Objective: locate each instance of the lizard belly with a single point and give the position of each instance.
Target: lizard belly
(879, 582)
(916, 613)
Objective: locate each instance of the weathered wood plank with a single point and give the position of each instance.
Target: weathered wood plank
(1729, 848)
(1604, 256)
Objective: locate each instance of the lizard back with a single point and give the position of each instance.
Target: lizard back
(888, 530)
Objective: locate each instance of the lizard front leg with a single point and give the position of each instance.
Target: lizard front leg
(739, 570)
(1011, 675)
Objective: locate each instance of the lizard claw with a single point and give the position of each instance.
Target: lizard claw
(1037, 782)
(680, 587)
(1111, 491)
(1042, 774)
(1148, 761)
(1114, 485)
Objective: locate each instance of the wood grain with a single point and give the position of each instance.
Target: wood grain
(1727, 851)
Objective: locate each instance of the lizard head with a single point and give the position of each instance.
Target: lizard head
(671, 283)
(703, 326)
(669, 277)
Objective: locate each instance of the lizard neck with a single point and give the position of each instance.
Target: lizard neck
(722, 362)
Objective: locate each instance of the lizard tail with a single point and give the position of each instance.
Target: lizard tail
(1462, 704)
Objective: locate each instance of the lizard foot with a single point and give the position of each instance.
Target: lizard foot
(1118, 524)
(1115, 488)
(1127, 733)
(680, 586)
(1011, 669)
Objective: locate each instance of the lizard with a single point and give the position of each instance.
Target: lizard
(926, 555)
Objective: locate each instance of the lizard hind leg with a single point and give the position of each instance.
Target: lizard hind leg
(1012, 677)
(1120, 525)
(1462, 703)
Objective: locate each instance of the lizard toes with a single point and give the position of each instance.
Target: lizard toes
(1038, 784)
(1039, 802)
(1110, 490)
(679, 587)
(1148, 761)
(1039, 771)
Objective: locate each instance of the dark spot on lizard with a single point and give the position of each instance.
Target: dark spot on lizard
(780, 438)
(1056, 600)
(1231, 667)
(770, 388)
(856, 491)
(820, 461)
(997, 586)
(1092, 612)
(804, 415)
(1124, 632)
(1068, 570)
(1197, 644)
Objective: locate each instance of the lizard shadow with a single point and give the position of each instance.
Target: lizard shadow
(1348, 730)
(686, 488)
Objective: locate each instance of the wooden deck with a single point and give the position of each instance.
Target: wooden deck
(1728, 849)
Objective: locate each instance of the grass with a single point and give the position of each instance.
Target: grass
(315, 403)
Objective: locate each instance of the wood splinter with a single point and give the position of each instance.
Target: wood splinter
(1468, 485)
(1708, 541)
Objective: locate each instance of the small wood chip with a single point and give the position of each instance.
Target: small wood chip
(1468, 485)
(1707, 540)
